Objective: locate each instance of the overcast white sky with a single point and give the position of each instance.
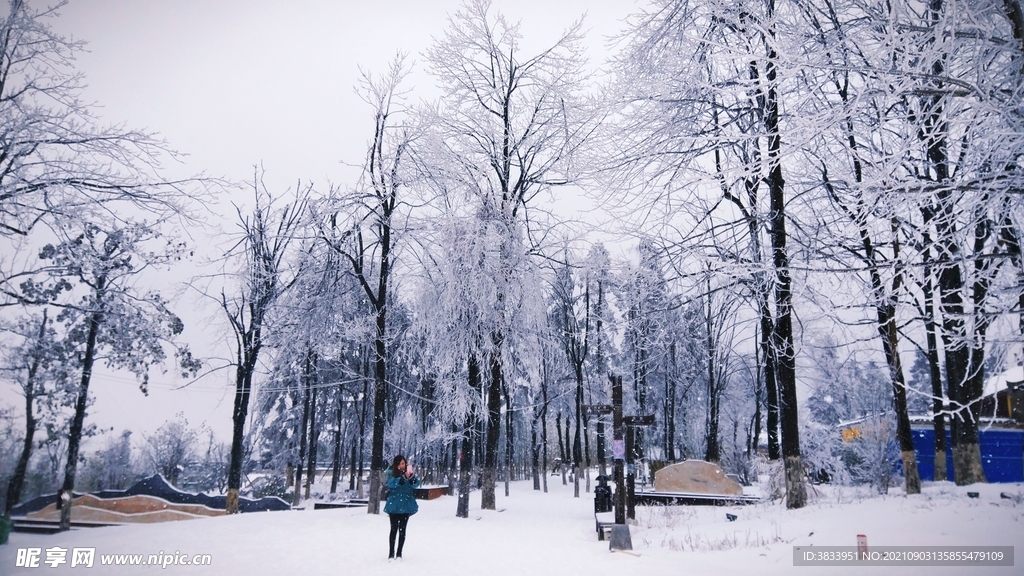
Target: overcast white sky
(235, 83)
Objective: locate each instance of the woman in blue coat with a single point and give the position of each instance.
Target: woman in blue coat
(401, 503)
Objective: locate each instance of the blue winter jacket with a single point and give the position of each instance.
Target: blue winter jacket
(400, 497)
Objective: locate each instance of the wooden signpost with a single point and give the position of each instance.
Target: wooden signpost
(618, 450)
(632, 422)
(620, 539)
(622, 451)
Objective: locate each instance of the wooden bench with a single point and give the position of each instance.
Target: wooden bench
(36, 526)
(421, 493)
(649, 498)
(603, 522)
(338, 504)
(430, 492)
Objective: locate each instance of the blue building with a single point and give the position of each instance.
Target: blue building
(1001, 432)
(1002, 453)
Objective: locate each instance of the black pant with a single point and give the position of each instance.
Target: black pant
(398, 524)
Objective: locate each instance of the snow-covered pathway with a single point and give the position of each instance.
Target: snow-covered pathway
(534, 533)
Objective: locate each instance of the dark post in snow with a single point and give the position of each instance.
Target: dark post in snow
(618, 450)
(630, 474)
(620, 539)
(631, 422)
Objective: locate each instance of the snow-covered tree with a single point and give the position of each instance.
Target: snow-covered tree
(572, 316)
(918, 153)
(55, 157)
(505, 129)
(262, 254)
(701, 131)
(104, 314)
(171, 449)
(40, 366)
(363, 226)
(112, 467)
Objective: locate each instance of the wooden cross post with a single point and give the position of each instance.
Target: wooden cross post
(631, 422)
(618, 450)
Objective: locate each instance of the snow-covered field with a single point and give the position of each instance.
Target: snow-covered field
(536, 533)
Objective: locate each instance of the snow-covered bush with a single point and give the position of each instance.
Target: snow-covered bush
(113, 467)
(871, 456)
(269, 485)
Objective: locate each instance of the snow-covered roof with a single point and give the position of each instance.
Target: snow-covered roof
(861, 420)
(1003, 381)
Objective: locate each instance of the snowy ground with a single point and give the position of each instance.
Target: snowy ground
(537, 533)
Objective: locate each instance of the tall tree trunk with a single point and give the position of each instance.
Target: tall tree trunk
(966, 450)
(535, 469)
(431, 464)
(754, 444)
(479, 439)
(382, 169)
(670, 418)
(314, 437)
(465, 470)
(453, 460)
(931, 313)
(763, 293)
(338, 435)
(899, 385)
(713, 453)
(544, 426)
(938, 406)
(466, 457)
(974, 388)
(362, 432)
(489, 473)
(586, 451)
(668, 411)
(796, 490)
(509, 440)
(601, 370)
(617, 437)
(380, 398)
(768, 357)
(75, 434)
(770, 376)
(577, 447)
(558, 430)
(303, 439)
(568, 452)
(890, 344)
(249, 349)
(352, 472)
(336, 441)
(639, 436)
(17, 481)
